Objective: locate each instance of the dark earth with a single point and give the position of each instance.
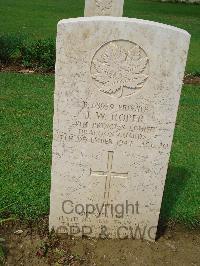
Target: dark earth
(30, 244)
(188, 79)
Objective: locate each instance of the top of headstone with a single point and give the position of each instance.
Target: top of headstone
(128, 20)
(104, 8)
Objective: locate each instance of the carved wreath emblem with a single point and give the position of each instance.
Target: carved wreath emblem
(120, 68)
(103, 6)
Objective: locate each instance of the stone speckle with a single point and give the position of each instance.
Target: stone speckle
(112, 137)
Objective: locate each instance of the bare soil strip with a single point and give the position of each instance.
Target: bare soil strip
(188, 79)
(31, 244)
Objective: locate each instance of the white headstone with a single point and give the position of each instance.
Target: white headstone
(118, 83)
(104, 8)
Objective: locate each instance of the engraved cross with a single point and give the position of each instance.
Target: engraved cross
(109, 174)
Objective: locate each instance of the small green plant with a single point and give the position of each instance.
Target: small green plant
(195, 73)
(2, 252)
(10, 47)
(39, 54)
(2, 257)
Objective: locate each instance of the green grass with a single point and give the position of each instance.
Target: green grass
(39, 18)
(26, 129)
(26, 135)
(181, 200)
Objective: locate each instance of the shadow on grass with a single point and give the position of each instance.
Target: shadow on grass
(177, 178)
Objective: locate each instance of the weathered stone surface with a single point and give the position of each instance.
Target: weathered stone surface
(104, 8)
(118, 83)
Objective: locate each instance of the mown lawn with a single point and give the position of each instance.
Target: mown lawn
(25, 149)
(26, 135)
(38, 18)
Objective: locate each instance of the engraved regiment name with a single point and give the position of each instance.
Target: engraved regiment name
(103, 123)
